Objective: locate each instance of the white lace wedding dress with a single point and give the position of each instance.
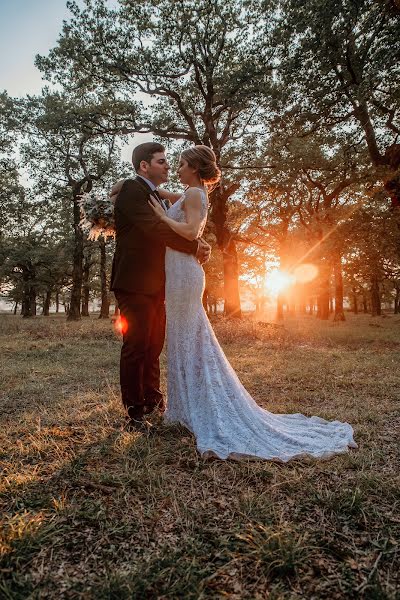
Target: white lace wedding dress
(205, 394)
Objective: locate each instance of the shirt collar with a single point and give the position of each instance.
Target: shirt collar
(149, 183)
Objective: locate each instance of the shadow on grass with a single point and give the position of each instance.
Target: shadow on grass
(87, 512)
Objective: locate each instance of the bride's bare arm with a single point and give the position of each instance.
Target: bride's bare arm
(171, 196)
(192, 205)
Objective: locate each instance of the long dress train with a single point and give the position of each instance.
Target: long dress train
(205, 394)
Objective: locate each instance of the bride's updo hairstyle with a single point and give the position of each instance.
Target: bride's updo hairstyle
(202, 158)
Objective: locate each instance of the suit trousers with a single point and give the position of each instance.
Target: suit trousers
(143, 340)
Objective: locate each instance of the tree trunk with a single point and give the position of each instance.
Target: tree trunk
(392, 182)
(279, 308)
(15, 308)
(337, 270)
(226, 243)
(57, 301)
(28, 302)
(231, 281)
(396, 301)
(375, 297)
(205, 301)
(283, 266)
(323, 299)
(355, 303)
(85, 283)
(33, 302)
(105, 302)
(46, 304)
(74, 313)
(365, 303)
(28, 307)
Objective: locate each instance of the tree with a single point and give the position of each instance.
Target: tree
(203, 68)
(276, 209)
(339, 68)
(71, 141)
(372, 256)
(105, 301)
(11, 191)
(33, 254)
(88, 263)
(303, 198)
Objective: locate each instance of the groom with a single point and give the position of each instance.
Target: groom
(138, 280)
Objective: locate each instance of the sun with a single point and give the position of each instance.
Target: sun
(278, 281)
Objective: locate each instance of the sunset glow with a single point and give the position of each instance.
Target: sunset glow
(278, 281)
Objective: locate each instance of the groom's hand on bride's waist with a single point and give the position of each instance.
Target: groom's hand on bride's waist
(203, 251)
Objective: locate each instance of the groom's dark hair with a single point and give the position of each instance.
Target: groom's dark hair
(145, 152)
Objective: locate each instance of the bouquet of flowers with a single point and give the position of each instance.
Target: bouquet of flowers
(97, 216)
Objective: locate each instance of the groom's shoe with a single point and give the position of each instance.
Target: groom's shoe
(157, 408)
(139, 424)
(155, 411)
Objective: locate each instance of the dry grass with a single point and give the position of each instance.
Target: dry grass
(93, 513)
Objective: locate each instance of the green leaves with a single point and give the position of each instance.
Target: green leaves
(204, 63)
(341, 58)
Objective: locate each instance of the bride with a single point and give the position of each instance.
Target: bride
(204, 392)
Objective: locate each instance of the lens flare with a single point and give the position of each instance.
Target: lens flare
(278, 281)
(305, 273)
(120, 325)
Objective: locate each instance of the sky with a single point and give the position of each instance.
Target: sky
(27, 28)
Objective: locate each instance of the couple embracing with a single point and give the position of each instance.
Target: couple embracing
(158, 280)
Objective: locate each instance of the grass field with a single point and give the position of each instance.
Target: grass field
(90, 512)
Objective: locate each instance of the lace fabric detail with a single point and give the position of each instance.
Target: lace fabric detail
(204, 392)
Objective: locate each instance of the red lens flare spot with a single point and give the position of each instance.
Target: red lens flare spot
(120, 325)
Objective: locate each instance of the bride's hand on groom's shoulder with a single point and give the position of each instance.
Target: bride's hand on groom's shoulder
(156, 206)
(203, 251)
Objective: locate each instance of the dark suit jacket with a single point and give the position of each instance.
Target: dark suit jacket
(141, 238)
